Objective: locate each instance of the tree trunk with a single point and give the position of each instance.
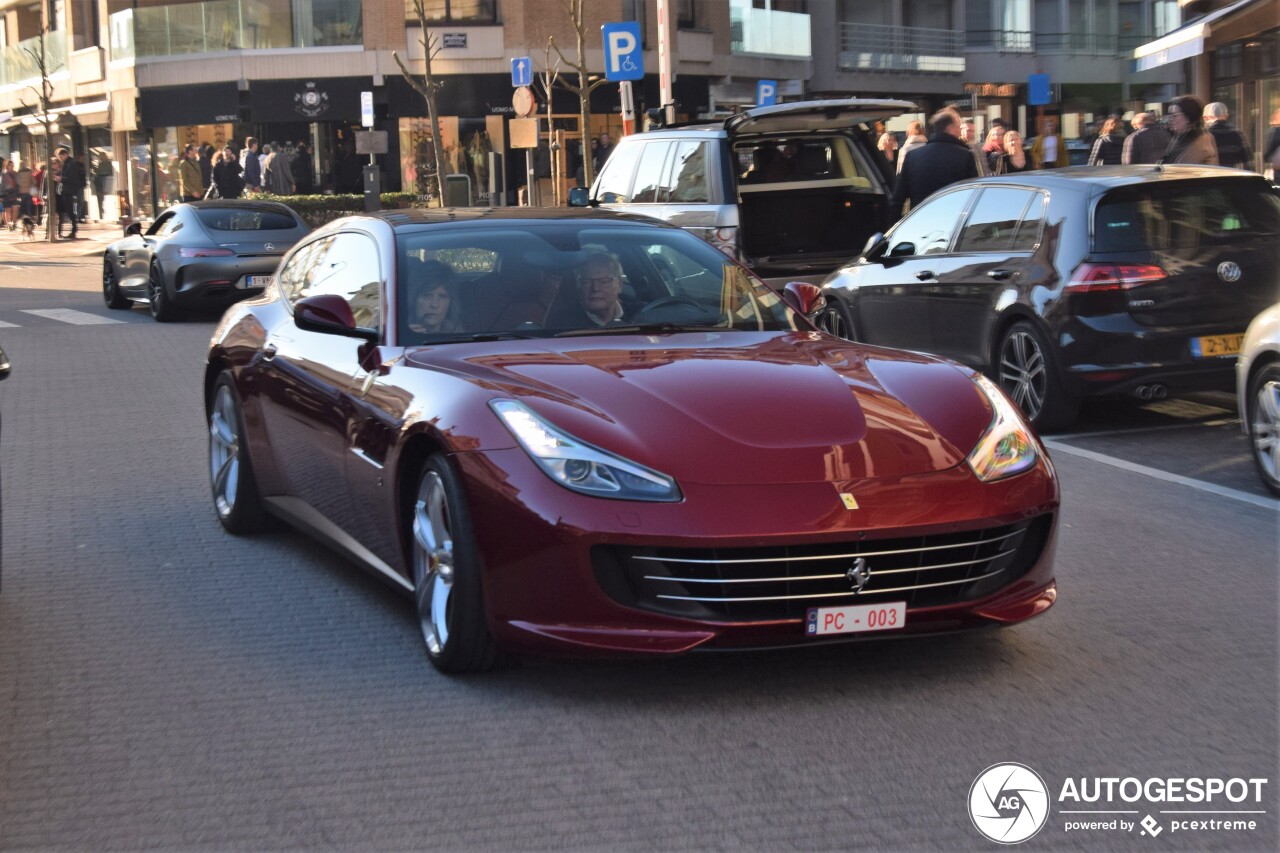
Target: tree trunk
(584, 101)
(434, 116)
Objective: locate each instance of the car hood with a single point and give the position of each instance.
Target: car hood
(737, 408)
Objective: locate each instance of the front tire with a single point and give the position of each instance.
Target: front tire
(1264, 424)
(235, 491)
(446, 574)
(836, 320)
(1027, 370)
(111, 286)
(162, 308)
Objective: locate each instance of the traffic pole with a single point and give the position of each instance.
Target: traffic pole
(628, 108)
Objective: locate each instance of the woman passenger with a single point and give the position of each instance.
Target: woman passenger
(436, 307)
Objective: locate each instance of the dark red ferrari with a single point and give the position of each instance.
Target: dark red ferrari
(590, 433)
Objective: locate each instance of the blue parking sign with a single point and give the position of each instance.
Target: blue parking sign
(521, 71)
(1038, 90)
(623, 53)
(766, 93)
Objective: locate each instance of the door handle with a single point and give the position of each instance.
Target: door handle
(924, 275)
(999, 275)
(269, 352)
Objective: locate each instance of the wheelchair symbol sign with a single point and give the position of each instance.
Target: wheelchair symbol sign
(623, 54)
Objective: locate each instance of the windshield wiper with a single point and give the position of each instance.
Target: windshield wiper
(640, 329)
(461, 337)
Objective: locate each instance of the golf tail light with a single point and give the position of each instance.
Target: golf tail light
(579, 466)
(1102, 278)
(1008, 447)
(202, 252)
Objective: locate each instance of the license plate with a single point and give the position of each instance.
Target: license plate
(856, 619)
(253, 281)
(1214, 345)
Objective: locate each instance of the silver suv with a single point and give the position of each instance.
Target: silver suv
(792, 190)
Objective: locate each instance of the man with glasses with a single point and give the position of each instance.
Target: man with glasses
(1191, 143)
(600, 288)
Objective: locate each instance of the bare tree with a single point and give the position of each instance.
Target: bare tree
(44, 103)
(426, 86)
(585, 86)
(550, 76)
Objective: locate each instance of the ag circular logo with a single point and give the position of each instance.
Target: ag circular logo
(1008, 803)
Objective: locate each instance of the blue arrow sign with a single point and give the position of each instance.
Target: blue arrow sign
(521, 71)
(623, 52)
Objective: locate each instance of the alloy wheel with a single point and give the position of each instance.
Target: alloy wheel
(433, 561)
(1265, 429)
(224, 451)
(1023, 373)
(832, 322)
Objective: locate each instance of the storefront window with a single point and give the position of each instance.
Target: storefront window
(141, 175)
(456, 11)
(327, 23)
(101, 185)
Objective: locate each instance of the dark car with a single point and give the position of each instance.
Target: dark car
(201, 255)
(593, 433)
(1074, 282)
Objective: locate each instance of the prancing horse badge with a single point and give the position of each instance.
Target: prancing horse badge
(849, 502)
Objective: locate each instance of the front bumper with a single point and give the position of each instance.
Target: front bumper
(544, 593)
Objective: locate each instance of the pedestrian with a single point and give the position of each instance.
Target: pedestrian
(262, 159)
(1014, 159)
(1147, 143)
(969, 134)
(1049, 151)
(70, 186)
(1233, 148)
(276, 176)
(888, 145)
(26, 183)
(303, 169)
(915, 139)
(102, 174)
(1271, 153)
(993, 148)
(1108, 148)
(82, 206)
(9, 193)
(37, 196)
(941, 161)
(1191, 143)
(249, 167)
(603, 150)
(190, 180)
(226, 175)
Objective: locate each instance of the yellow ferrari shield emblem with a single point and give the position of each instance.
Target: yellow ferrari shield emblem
(849, 502)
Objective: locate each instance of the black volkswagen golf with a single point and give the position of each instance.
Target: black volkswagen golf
(1074, 282)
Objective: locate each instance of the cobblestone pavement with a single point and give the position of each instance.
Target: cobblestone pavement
(164, 685)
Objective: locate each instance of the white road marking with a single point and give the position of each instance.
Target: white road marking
(1156, 473)
(4, 325)
(70, 315)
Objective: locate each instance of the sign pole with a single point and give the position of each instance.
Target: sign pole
(628, 108)
(666, 74)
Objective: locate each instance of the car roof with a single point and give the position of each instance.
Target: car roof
(1100, 178)
(497, 216)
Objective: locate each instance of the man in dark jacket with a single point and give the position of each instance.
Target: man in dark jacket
(1233, 148)
(940, 162)
(71, 186)
(303, 171)
(251, 169)
(1147, 143)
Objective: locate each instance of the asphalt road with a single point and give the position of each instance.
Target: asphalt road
(164, 685)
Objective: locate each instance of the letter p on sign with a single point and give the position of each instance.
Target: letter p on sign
(766, 93)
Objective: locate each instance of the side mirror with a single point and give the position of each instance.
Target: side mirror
(903, 250)
(133, 230)
(4, 365)
(804, 298)
(330, 314)
(579, 197)
(876, 246)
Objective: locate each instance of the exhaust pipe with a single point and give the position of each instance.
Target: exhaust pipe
(1151, 392)
(1159, 392)
(1143, 392)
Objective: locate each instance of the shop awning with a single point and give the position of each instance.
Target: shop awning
(1184, 42)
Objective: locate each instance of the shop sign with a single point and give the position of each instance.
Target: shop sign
(992, 90)
(453, 40)
(312, 101)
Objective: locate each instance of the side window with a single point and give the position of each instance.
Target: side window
(1029, 229)
(994, 219)
(649, 177)
(927, 230)
(164, 222)
(689, 173)
(295, 275)
(614, 185)
(350, 269)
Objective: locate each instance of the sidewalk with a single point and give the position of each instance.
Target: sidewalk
(91, 238)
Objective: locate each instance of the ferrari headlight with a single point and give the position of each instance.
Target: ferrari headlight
(1008, 446)
(577, 465)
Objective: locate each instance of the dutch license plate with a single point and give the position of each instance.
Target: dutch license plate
(1214, 345)
(856, 619)
(251, 281)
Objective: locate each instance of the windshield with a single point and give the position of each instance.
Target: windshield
(244, 219)
(571, 278)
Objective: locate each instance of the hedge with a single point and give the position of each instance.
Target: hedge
(316, 210)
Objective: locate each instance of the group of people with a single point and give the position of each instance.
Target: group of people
(437, 303)
(203, 172)
(1196, 134)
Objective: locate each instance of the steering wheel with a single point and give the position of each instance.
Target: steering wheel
(697, 311)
